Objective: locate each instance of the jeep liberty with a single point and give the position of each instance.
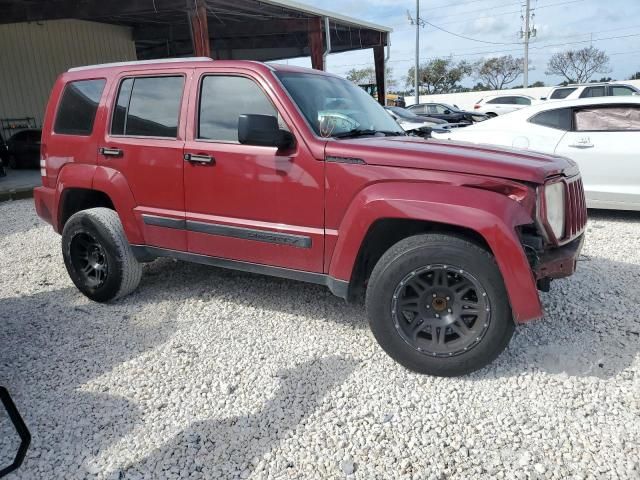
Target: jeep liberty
(300, 174)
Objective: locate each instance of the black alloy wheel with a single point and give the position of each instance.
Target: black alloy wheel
(441, 310)
(89, 259)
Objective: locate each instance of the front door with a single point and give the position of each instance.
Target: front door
(249, 203)
(144, 140)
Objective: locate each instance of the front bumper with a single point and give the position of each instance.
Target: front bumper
(559, 262)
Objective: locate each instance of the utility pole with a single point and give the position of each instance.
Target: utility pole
(417, 75)
(526, 34)
(418, 22)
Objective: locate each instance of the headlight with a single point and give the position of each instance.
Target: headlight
(554, 203)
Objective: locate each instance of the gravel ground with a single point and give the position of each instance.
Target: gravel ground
(205, 373)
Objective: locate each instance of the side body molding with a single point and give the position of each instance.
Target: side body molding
(493, 216)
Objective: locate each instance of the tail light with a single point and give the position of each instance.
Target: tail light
(43, 162)
(476, 107)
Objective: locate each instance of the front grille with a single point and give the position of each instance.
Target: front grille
(576, 213)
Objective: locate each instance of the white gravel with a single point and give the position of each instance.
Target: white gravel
(205, 373)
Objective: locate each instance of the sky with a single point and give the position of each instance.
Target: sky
(560, 25)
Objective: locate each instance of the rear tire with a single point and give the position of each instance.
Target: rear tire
(98, 256)
(422, 320)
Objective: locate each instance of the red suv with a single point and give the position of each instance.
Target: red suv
(300, 174)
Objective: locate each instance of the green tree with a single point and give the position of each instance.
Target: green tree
(497, 72)
(441, 75)
(363, 76)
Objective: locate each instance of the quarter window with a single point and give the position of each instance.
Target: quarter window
(559, 119)
(148, 107)
(78, 107)
(619, 91)
(560, 93)
(223, 99)
(609, 119)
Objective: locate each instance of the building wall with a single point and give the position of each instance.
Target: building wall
(467, 100)
(32, 55)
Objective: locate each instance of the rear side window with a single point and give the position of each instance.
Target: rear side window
(223, 99)
(593, 92)
(502, 100)
(608, 119)
(559, 119)
(148, 107)
(562, 93)
(78, 107)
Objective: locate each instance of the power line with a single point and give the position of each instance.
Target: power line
(469, 38)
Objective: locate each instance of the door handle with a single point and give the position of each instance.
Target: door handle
(582, 145)
(110, 152)
(199, 158)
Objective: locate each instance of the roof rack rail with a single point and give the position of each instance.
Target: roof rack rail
(585, 84)
(142, 62)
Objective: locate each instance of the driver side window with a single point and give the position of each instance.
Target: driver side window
(223, 99)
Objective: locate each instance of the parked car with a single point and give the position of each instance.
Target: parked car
(4, 156)
(447, 112)
(296, 173)
(23, 149)
(602, 135)
(589, 90)
(415, 124)
(495, 105)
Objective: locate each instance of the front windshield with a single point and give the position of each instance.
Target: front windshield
(336, 107)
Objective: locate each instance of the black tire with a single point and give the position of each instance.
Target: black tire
(98, 256)
(411, 260)
(13, 163)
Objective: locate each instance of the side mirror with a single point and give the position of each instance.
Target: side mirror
(264, 131)
(447, 112)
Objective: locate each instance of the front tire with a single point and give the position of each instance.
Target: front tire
(98, 256)
(437, 305)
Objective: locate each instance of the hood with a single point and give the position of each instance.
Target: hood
(444, 155)
(408, 126)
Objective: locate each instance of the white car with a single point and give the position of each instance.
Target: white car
(495, 105)
(589, 90)
(602, 135)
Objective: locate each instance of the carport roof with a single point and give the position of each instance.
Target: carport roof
(238, 29)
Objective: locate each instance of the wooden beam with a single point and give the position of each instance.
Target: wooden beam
(316, 45)
(200, 30)
(378, 60)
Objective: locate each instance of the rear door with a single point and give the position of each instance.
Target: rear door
(605, 142)
(144, 140)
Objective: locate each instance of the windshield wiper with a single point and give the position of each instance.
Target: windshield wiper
(361, 132)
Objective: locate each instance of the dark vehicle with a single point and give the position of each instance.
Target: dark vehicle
(4, 156)
(23, 149)
(415, 124)
(446, 112)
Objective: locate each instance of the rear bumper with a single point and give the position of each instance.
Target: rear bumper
(560, 262)
(44, 199)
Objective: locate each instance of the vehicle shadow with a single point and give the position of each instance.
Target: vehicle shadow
(232, 447)
(591, 326)
(52, 344)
